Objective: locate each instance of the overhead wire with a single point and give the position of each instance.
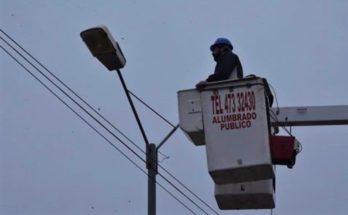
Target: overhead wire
(176, 179)
(93, 128)
(275, 115)
(71, 90)
(86, 103)
(154, 111)
(275, 96)
(73, 100)
(275, 118)
(89, 113)
(132, 142)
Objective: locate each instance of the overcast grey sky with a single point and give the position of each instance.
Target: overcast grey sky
(53, 163)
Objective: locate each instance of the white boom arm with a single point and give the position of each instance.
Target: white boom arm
(309, 116)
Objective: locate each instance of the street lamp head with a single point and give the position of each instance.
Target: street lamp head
(104, 47)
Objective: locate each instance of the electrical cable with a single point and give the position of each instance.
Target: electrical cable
(94, 111)
(107, 121)
(91, 126)
(277, 112)
(275, 116)
(72, 91)
(289, 132)
(86, 103)
(275, 96)
(177, 180)
(159, 115)
(164, 156)
(169, 182)
(73, 100)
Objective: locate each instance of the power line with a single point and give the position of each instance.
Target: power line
(99, 115)
(91, 126)
(148, 106)
(190, 191)
(73, 100)
(102, 116)
(177, 180)
(79, 97)
(65, 85)
(84, 101)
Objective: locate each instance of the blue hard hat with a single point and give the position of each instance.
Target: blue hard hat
(221, 41)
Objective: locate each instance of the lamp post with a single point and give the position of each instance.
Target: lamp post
(104, 47)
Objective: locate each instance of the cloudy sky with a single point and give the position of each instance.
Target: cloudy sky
(51, 162)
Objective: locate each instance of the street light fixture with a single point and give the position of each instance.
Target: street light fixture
(104, 47)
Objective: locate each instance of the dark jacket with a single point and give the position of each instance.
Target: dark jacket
(227, 64)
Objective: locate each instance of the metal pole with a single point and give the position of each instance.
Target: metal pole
(133, 108)
(167, 137)
(151, 155)
(152, 164)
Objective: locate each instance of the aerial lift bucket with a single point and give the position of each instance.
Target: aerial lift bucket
(231, 119)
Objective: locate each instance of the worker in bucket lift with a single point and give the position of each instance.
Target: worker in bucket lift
(228, 65)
